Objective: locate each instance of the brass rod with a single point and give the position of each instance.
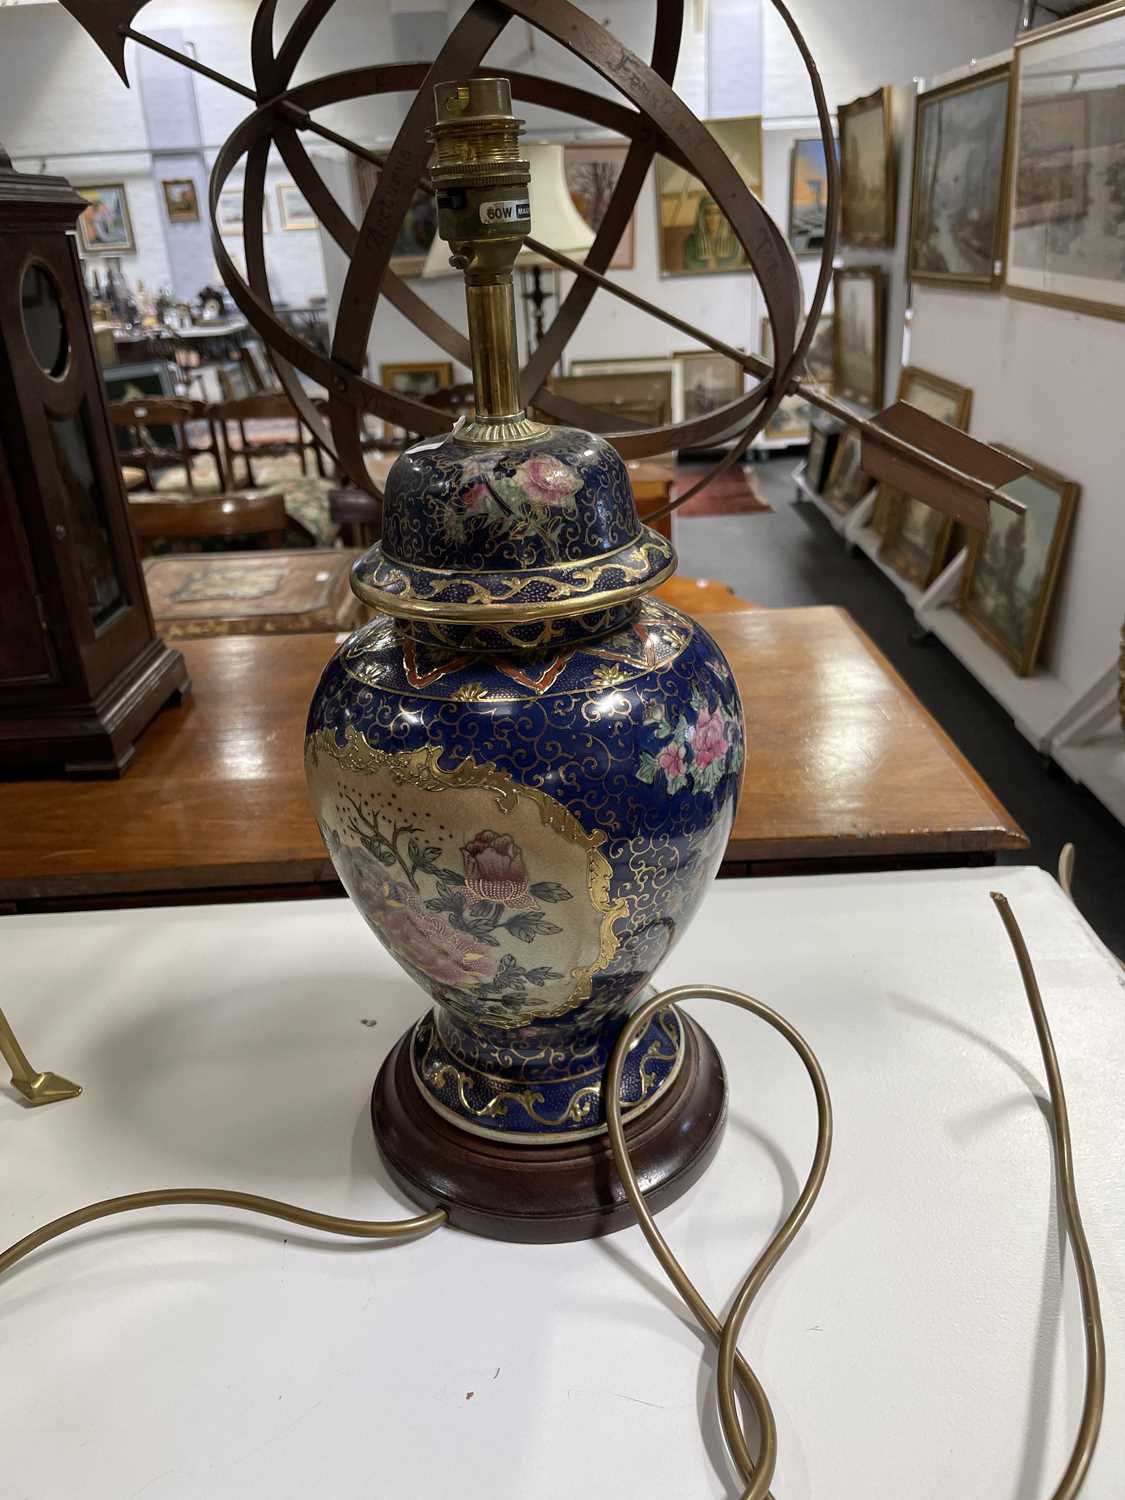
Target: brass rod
(492, 335)
(190, 62)
(36, 1088)
(12, 1053)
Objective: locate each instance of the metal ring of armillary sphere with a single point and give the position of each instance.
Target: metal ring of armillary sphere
(649, 116)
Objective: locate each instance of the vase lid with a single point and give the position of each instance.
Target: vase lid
(543, 526)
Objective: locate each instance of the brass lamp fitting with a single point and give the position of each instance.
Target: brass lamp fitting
(484, 213)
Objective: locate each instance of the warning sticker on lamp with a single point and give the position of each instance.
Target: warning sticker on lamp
(506, 211)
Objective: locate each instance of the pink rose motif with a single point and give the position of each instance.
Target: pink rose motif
(476, 498)
(431, 945)
(547, 480)
(672, 760)
(709, 741)
(494, 869)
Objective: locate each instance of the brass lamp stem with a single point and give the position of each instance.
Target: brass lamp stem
(492, 334)
(484, 215)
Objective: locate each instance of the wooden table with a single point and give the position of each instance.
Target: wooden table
(253, 593)
(845, 770)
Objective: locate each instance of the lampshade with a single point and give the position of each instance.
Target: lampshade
(554, 219)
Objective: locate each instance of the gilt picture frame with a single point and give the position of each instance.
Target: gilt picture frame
(847, 483)
(104, 225)
(867, 171)
(915, 537)
(1066, 188)
(417, 379)
(695, 237)
(638, 365)
(181, 200)
(859, 333)
(958, 196)
(1012, 572)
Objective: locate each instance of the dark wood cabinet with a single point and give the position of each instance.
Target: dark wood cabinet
(82, 670)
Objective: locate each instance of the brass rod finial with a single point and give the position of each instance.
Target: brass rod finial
(36, 1088)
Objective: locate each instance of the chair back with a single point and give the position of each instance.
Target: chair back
(242, 442)
(201, 516)
(139, 416)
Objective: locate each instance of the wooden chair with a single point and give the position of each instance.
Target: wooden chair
(205, 516)
(141, 417)
(232, 418)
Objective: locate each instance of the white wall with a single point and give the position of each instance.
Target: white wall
(62, 95)
(860, 46)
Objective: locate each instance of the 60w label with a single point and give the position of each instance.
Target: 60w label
(505, 211)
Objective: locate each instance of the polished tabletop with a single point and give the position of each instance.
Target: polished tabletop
(844, 765)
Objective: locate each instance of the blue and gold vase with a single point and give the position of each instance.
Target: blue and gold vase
(524, 768)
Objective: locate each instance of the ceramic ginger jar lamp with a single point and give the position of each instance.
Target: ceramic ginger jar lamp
(525, 770)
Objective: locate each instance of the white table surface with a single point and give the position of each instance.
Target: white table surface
(922, 1340)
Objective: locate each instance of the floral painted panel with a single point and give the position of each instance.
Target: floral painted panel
(697, 751)
(491, 897)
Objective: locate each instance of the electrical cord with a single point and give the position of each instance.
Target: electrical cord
(732, 1366)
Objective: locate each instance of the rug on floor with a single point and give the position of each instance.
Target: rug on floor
(734, 493)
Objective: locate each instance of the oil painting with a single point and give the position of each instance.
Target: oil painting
(858, 330)
(104, 227)
(592, 170)
(695, 236)
(808, 195)
(956, 217)
(915, 536)
(1011, 573)
(417, 379)
(867, 170)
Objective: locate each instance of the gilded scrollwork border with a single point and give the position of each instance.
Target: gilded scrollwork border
(436, 1072)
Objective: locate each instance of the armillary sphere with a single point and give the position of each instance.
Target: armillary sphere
(653, 120)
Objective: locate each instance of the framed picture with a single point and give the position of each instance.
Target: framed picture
(867, 169)
(417, 379)
(293, 208)
(104, 226)
(819, 362)
(1066, 188)
(859, 331)
(641, 396)
(181, 201)
(824, 438)
(847, 483)
(915, 536)
(228, 211)
(821, 359)
(709, 381)
(1011, 572)
(418, 229)
(958, 193)
(695, 237)
(808, 195)
(592, 170)
(791, 422)
(657, 366)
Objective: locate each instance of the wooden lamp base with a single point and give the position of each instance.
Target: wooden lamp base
(546, 1194)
